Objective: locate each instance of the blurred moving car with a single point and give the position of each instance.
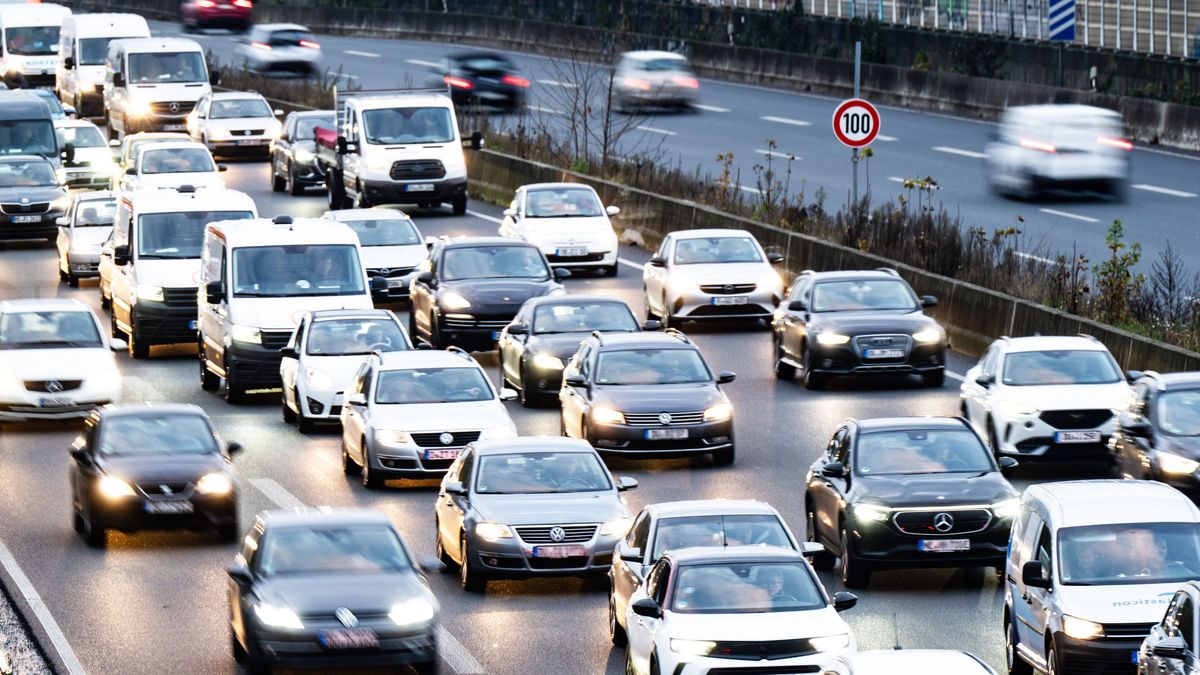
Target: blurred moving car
(32, 198)
(567, 222)
(1044, 147)
(392, 247)
(1158, 435)
(92, 166)
(232, 14)
(281, 48)
(1171, 646)
(483, 77)
(235, 123)
(654, 79)
(81, 233)
(907, 662)
(293, 155)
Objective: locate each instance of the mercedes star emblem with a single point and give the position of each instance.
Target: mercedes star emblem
(557, 533)
(346, 617)
(664, 418)
(446, 438)
(54, 386)
(166, 489)
(943, 522)
(174, 107)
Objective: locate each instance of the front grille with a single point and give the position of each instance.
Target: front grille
(1076, 419)
(275, 339)
(540, 534)
(922, 523)
(165, 489)
(765, 670)
(727, 289)
(313, 618)
(417, 169)
(1127, 630)
(17, 209)
(181, 109)
(433, 439)
(248, 132)
(591, 257)
(392, 272)
(464, 321)
(164, 330)
(1086, 664)
(751, 309)
(574, 562)
(179, 297)
(652, 419)
(59, 385)
(766, 649)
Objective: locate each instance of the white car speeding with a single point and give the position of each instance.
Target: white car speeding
(392, 247)
(567, 222)
(235, 122)
(170, 165)
(55, 361)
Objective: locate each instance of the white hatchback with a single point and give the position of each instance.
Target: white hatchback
(567, 222)
(238, 122)
(171, 165)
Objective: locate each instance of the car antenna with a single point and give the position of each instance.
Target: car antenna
(896, 632)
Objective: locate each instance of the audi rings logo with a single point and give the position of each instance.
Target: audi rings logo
(664, 418)
(347, 617)
(174, 107)
(557, 533)
(446, 438)
(54, 386)
(943, 522)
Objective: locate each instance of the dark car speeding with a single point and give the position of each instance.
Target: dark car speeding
(482, 77)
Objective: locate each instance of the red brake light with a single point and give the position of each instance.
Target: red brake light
(640, 85)
(243, 3)
(261, 45)
(689, 82)
(458, 82)
(515, 81)
(1037, 145)
(1119, 143)
(310, 44)
(206, 4)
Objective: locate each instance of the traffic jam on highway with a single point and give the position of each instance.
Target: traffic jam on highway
(429, 372)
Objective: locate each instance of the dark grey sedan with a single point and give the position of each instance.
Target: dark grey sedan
(31, 198)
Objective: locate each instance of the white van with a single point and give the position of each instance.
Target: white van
(1091, 567)
(157, 238)
(82, 49)
(29, 43)
(258, 277)
(152, 84)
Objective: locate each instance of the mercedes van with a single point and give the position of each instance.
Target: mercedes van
(82, 48)
(29, 43)
(152, 84)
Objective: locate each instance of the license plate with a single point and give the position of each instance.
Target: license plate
(730, 300)
(54, 402)
(441, 454)
(1077, 437)
(170, 507)
(395, 283)
(251, 141)
(572, 252)
(666, 434)
(192, 324)
(1133, 658)
(174, 127)
(559, 551)
(27, 219)
(348, 638)
(495, 335)
(943, 545)
(419, 187)
(883, 353)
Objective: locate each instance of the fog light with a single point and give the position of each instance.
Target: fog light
(719, 439)
(315, 407)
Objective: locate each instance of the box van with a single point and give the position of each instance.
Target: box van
(29, 43)
(27, 128)
(1091, 567)
(152, 84)
(257, 278)
(82, 48)
(157, 237)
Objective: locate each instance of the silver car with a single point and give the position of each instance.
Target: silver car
(533, 506)
(81, 233)
(654, 79)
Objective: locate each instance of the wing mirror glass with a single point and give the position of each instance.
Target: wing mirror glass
(834, 470)
(929, 301)
(1031, 575)
(357, 398)
(797, 306)
(612, 210)
(517, 329)
(118, 80)
(1170, 648)
(214, 77)
(121, 255)
(240, 574)
(575, 381)
(726, 377)
(455, 487)
(843, 600)
(652, 325)
(629, 553)
(774, 257)
(658, 261)
(1007, 464)
(1139, 429)
(234, 448)
(646, 607)
(626, 483)
(985, 380)
(561, 273)
(213, 292)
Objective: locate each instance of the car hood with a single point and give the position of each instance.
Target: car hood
(164, 467)
(756, 627)
(1067, 397)
(661, 398)
(95, 158)
(173, 180)
(374, 257)
(1187, 446)
(499, 296)
(93, 74)
(583, 507)
(860, 323)
(58, 364)
(12, 195)
(239, 123)
(440, 416)
(91, 238)
(1136, 603)
(760, 273)
(184, 273)
(170, 91)
(284, 313)
(340, 369)
(936, 490)
(562, 345)
(325, 593)
(563, 229)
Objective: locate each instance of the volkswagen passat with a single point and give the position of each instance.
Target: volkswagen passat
(235, 122)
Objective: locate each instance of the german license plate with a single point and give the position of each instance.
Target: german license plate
(571, 252)
(54, 402)
(419, 187)
(883, 353)
(441, 454)
(27, 219)
(192, 324)
(250, 141)
(395, 283)
(1133, 658)
(174, 127)
(943, 545)
(730, 300)
(495, 335)
(348, 638)
(666, 434)
(1077, 437)
(173, 506)
(559, 551)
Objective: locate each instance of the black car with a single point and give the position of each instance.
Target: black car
(150, 467)
(1158, 437)
(856, 323)
(31, 198)
(482, 77)
(329, 589)
(908, 492)
(474, 287)
(547, 332)
(646, 395)
(293, 155)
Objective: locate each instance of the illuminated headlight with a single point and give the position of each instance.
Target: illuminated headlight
(1175, 464)
(1007, 508)
(148, 293)
(138, 107)
(499, 431)
(412, 612)
(14, 68)
(87, 87)
(304, 155)
(115, 488)
(452, 300)
(246, 334)
(62, 203)
(871, 513)
(391, 437)
(214, 484)
(928, 335)
(558, 290)
(831, 339)
(492, 531)
(718, 413)
(218, 134)
(1081, 629)
(617, 527)
(379, 163)
(547, 362)
(278, 617)
(62, 176)
(693, 647)
(318, 379)
(829, 643)
(608, 416)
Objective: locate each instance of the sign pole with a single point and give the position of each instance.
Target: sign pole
(854, 151)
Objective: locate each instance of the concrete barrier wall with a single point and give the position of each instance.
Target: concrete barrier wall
(973, 316)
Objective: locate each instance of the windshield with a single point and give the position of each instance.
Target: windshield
(306, 125)
(48, 97)
(342, 337)
(31, 40)
(739, 588)
(747, 530)
(27, 174)
(156, 434)
(662, 65)
(174, 236)
(433, 385)
(38, 330)
(541, 473)
(291, 38)
(583, 317)
(716, 250)
(96, 213)
(28, 137)
(485, 64)
(863, 295)
(81, 137)
(1063, 366)
(891, 453)
(494, 262)
(1140, 553)
(397, 126)
(156, 67)
(1179, 412)
(132, 145)
(297, 270)
(177, 160)
(353, 549)
(565, 203)
(93, 51)
(239, 107)
(651, 366)
(384, 231)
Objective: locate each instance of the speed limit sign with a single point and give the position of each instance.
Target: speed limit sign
(856, 123)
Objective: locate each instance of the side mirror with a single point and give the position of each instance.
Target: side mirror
(234, 448)
(114, 143)
(575, 381)
(118, 345)
(510, 213)
(240, 574)
(1031, 575)
(423, 344)
(278, 112)
(1132, 376)
(68, 61)
(774, 258)
(455, 487)
(70, 110)
(379, 285)
(118, 79)
(289, 353)
(517, 329)
(1138, 430)
(811, 548)
(985, 380)
(843, 600)
(1007, 463)
(1170, 648)
(357, 398)
(928, 301)
(477, 140)
(726, 377)
(62, 221)
(213, 292)
(561, 273)
(646, 607)
(430, 241)
(834, 470)
(507, 394)
(68, 153)
(797, 306)
(629, 553)
(222, 168)
(214, 77)
(428, 279)
(652, 325)
(626, 483)
(79, 454)
(341, 145)
(612, 210)
(658, 261)
(121, 255)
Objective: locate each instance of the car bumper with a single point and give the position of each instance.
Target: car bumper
(253, 366)
(79, 402)
(19, 80)
(129, 515)
(1029, 436)
(45, 226)
(92, 103)
(846, 360)
(470, 332)
(887, 548)
(383, 192)
(628, 441)
(678, 664)
(158, 324)
(307, 174)
(598, 256)
(303, 649)
(88, 180)
(84, 265)
(703, 307)
(1097, 657)
(500, 98)
(408, 462)
(254, 145)
(544, 383)
(664, 97)
(513, 558)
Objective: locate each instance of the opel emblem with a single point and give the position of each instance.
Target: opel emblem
(557, 533)
(943, 522)
(728, 288)
(54, 386)
(384, 272)
(174, 107)
(247, 132)
(446, 438)
(346, 617)
(166, 489)
(664, 418)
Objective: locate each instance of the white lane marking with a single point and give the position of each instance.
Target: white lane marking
(656, 130)
(277, 493)
(456, 655)
(41, 611)
(1072, 216)
(419, 62)
(548, 111)
(886, 139)
(749, 189)
(959, 151)
(896, 179)
(777, 153)
(785, 120)
(1164, 191)
(635, 265)
(954, 376)
(710, 108)
(1030, 256)
(557, 83)
(484, 216)
(369, 55)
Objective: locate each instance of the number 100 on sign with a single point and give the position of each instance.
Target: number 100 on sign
(856, 123)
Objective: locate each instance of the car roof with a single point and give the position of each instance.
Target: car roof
(166, 200)
(1062, 112)
(132, 409)
(1037, 343)
(331, 314)
(43, 305)
(515, 446)
(697, 555)
(266, 232)
(155, 135)
(23, 158)
(19, 104)
(1180, 380)
(710, 507)
(373, 102)
(557, 186)
(468, 242)
(365, 214)
(709, 233)
(21, 12)
(1114, 501)
(69, 123)
(646, 339)
(843, 275)
(312, 113)
(426, 358)
(95, 196)
(159, 44)
(648, 54)
(280, 26)
(172, 145)
(916, 422)
(235, 95)
(571, 299)
(322, 516)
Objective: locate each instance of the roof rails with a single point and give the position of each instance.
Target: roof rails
(460, 352)
(888, 270)
(678, 335)
(339, 96)
(1093, 338)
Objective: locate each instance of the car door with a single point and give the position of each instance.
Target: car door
(654, 276)
(627, 575)
(512, 347)
(281, 148)
(453, 509)
(575, 400)
(84, 471)
(351, 161)
(122, 276)
(640, 629)
(66, 228)
(195, 119)
(1030, 605)
(975, 395)
(289, 365)
(828, 493)
(355, 418)
(792, 324)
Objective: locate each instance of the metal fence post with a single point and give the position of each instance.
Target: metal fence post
(1135, 24)
(1168, 27)
(1152, 23)
(1102, 23)
(1118, 24)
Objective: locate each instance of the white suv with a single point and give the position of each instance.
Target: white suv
(408, 414)
(1045, 396)
(567, 222)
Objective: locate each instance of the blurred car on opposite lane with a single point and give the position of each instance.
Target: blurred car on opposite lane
(281, 48)
(483, 77)
(200, 14)
(654, 79)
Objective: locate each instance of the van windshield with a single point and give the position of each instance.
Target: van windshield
(297, 270)
(1129, 553)
(155, 67)
(93, 51)
(397, 126)
(31, 40)
(28, 137)
(174, 236)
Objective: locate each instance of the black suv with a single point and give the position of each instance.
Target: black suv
(908, 492)
(856, 323)
(472, 287)
(646, 395)
(1158, 436)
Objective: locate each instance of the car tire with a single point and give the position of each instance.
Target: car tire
(208, 379)
(616, 632)
(613, 269)
(62, 276)
(291, 185)
(934, 379)
(824, 560)
(1016, 665)
(992, 438)
(69, 276)
(361, 201)
(234, 393)
(349, 466)
(813, 381)
(289, 415)
(108, 126)
(277, 181)
(93, 536)
(654, 665)
(526, 399)
(471, 579)
(458, 204)
(783, 371)
(138, 350)
(335, 194)
(1054, 662)
(724, 457)
(370, 479)
(666, 315)
(112, 327)
(629, 667)
(854, 573)
(439, 548)
(303, 423)
(228, 532)
(105, 300)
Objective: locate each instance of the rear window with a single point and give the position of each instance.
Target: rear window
(290, 38)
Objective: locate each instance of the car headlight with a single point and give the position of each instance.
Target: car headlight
(214, 484)
(115, 488)
(14, 68)
(138, 107)
(1171, 463)
(1022, 409)
(1007, 508)
(148, 293)
(499, 431)
(391, 437)
(62, 203)
(831, 339)
(871, 513)
(1081, 629)
(278, 617)
(247, 334)
(828, 643)
(318, 379)
(492, 531)
(608, 416)
(718, 413)
(558, 291)
(547, 362)
(304, 155)
(693, 647)
(932, 334)
(378, 163)
(452, 300)
(217, 134)
(87, 87)
(412, 612)
(616, 527)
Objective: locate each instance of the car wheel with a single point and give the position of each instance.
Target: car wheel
(724, 457)
(783, 371)
(855, 573)
(934, 379)
(112, 327)
(458, 204)
(1054, 664)
(527, 400)
(823, 560)
(666, 315)
(370, 479)
(439, 547)
(108, 126)
(615, 632)
(105, 299)
(228, 532)
(62, 276)
(208, 379)
(613, 269)
(234, 393)
(293, 187)
(289, 415)
(68, 276)
(349, 466)
(94, 536)
(304, 423)
(629, 667)
(472, 580)
(138, 350)
(993, 439)
(653, 665)
(814, 381)
(277, 181)
(361, 201)
(334, 192)
(1016, 666)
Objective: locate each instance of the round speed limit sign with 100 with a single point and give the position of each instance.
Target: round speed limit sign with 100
(856, 123)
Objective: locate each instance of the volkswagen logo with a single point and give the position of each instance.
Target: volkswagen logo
(557, 533)
(346, 617)
(166, 489)
(54, 386)
(173, 107)
(664, 418)
(446, 438)
(943, 522)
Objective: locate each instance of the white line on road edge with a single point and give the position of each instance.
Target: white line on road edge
(484, 216)
(785, 120)
(959, 151)
(886, 139)
(419, 62)
(896, 179)
(709, 108)
(778, 153)
(277, 493)
(556, 83)
(635, 265)
(1072, 216)
(1030, 256)
(749, 189)
(1164, 191)
(655, 130)
(369, 55)
(549, 111)
(25, 587)
(954, 376)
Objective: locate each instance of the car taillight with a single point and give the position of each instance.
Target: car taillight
(310, 44)
(689, 82)
(1112, 142)
(206, 4)
(635, 83)
(515, 81)
(1040, 146)
(243, 3)
(458, 82)
(261, 45)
